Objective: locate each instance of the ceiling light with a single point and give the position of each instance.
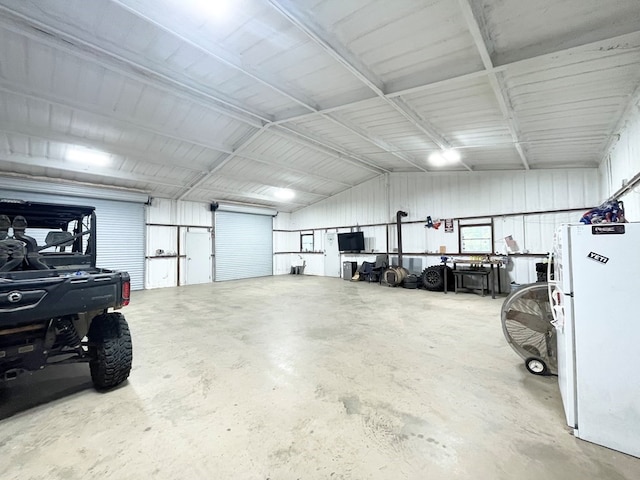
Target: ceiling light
(451, 155)
(444, 157)
(88, 156)
(285, 193)
(437, 159)
(216, 9)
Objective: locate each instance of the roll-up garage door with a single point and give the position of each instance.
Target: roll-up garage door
(243, 245)
(121, 230)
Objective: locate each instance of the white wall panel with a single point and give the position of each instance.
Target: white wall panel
(458, 195)
(623, 163)
(161, 272)
(171, 214)
(363, 204)
(282, 221)
(286, 241)
(174, 212)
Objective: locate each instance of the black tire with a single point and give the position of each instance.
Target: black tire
(110, 349)
(536, 365)
(433, 278)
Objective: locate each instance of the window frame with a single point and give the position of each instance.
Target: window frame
(462, 227)
(302, 235)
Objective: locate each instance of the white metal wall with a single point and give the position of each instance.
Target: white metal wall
(453, 196)
(166, 217)
(623, 162)
(120, 224)
(243, 245)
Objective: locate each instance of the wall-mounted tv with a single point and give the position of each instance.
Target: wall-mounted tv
(351, 242)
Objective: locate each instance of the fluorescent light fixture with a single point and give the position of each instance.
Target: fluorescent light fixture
(217, 9)
(437, 160)
(444, 157)
(88, 156)
(451, 155)
(285, 193)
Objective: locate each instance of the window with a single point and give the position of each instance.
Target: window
(476, 238)
(306, 242)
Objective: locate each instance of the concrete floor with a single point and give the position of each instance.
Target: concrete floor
(300, 377)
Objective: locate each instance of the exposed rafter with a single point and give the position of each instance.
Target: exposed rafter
(421, 87)
(57, 164)
(269, 200)
(69, 139)
(319, 145)
(222, 163)
(360, 132)
(88, 51)
(290, 185)
(496, 83)
(305, 23)
(56, 136)
(228, 59)
(22, 91)
(232, 61)
(102, 57)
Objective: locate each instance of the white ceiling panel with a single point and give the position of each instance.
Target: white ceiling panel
(313, 95)
(403, 43)
(527, 29)
(466, 112)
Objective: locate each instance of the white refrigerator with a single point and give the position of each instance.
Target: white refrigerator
(596, 303)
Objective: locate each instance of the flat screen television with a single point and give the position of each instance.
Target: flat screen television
(351, 242)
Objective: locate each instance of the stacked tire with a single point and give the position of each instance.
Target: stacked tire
(394, 276)
(411, 282)
(433, 278)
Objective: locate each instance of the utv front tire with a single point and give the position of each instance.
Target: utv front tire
(110, 350)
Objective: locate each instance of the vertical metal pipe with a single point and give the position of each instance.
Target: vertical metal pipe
(399, 216)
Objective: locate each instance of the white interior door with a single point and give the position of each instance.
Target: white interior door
(331, 255)
(198, 252)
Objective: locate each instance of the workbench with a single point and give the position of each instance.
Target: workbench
(486, 267)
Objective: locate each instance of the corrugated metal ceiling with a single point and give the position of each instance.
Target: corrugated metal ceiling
(311, 95)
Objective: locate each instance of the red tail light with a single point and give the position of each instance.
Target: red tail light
(126, 293)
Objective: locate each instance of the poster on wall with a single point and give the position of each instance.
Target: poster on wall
(448, 225)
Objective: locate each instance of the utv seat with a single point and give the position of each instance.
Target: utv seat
(33, 257)
(5, 225)
(58, 237)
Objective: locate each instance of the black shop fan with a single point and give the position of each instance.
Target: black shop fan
(526, 323)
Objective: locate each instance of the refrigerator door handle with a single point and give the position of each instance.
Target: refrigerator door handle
(557, 310)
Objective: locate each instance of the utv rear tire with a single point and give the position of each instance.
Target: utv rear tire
(110, 349)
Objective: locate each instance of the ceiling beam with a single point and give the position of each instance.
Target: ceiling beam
(237, 64)
(58, 164)
(229, 59)
(99, 56)
(90, 52)
(593, 46)
(114, 118)
(321, 146)
(153, 158)
(362, 133)
(254, 136)
(306, 24)
(130, 126)
(623, 117)
(474, 26)
(290, 168)
(234, 62)
(424, 126)
(252, 196)
(288, 185)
